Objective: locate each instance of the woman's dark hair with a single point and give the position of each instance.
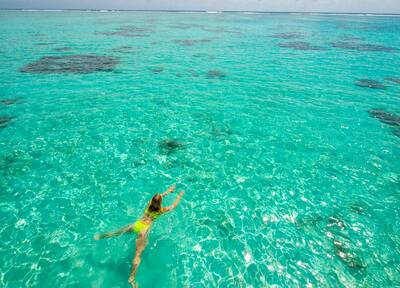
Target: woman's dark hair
(155, 204)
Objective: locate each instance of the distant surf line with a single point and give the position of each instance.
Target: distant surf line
(211, 12)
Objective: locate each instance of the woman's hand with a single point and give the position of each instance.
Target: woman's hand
(178, 198)
(170, 190)
(176, 202)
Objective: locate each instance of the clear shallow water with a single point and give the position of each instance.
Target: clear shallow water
(289, 180)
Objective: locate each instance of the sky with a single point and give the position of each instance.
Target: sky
(363, 6)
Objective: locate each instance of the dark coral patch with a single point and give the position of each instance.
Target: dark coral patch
(343, 246)
(193, 73)
(388, 118)
(351, 38)
(188, 73)
(204, 55)
(8, 102)
(4, 121)
(357, 46)
(62, 49)
(368, 83)
(288, 35)
(385, 117)
(157, 70)
(39, 35)
(184, 26)
(220, 30)
(191, 42)
(72, 64)
(300, 45)
(393, 79)
(169, 146)
(44, 44)
(124, 49)
(215, 74)
(128, 31)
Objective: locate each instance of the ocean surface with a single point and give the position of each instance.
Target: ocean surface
(283, 129)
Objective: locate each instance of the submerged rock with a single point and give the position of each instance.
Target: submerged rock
(204, 55)
(215, 74)
(300, 45)
(6, 162)
(342, 243)
(220, 30)
(188, 73)
(193, 73)
(393, 79)
(343, 251)
(385, 117)
(335, 222)
(124, 49)
(368, 83)
(8, 102)
(169, 146)
(287, 35)
(390, 119)
(351, 38)
(62, 49)
(357, 208)
(352, 45)
(44, 43)
(75, 64)
(191, 42)
(128, 31)
(219, 223)
(308, 221)
(4, 121)
(157, 70)
(184, 26)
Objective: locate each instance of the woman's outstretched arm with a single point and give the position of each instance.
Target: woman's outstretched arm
(123, 230)
(170, 190)
(176, 202)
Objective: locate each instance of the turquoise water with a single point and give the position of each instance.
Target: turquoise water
(289, 181)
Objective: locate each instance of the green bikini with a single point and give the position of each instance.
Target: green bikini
(140, 226)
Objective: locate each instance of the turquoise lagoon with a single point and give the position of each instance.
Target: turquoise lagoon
(263, 119)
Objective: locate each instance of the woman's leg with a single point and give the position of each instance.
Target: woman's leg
(141, 243)
(125, 229)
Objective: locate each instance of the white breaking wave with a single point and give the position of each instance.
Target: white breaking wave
(43, 10)
(219, 12)
(353, 14)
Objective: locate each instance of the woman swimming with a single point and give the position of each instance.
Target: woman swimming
(142, 227)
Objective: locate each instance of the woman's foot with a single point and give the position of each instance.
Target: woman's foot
(132, 281)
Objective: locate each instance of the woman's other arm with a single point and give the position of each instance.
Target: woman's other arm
(170, 190)
(176, 202)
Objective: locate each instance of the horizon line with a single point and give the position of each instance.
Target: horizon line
(197, 10)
